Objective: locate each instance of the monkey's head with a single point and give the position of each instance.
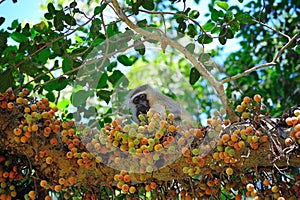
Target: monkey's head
(144, 97)
(138, 101)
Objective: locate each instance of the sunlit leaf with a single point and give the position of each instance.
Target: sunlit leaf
(208, 26)
(222, 4)
(125, 60)
(194, 14)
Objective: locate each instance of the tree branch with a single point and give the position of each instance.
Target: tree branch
(273, 62)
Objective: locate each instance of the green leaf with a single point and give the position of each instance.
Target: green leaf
(208, 26)
(104, 95)
(26, 30)
(70, 20)
(214, 15)
(56, 47)
(297, 78)
(111, 66)
(79, 98)
(58, 23)
(51, 97)
(73, 4)
(222, 4)
(222, 36)
(235, 25)
(194, 76)
(124, 60)
(135, 8)
(7, 80)
(67, 64)
(51, 8)
(115, 77)
(2, 19)
(190, 47)
(181, 27)
(244, 18)
(148, 4)
(99, 9)
(142, 23)
(48, 16)
(194, 14)
(216, 30)
(18, 37)
(222, 40)
(44, 55)
(64, 103)
(103, 80)
(44, 78)
(58, 84)
(297, 49)
(139, 47)
(186, 12)
(192, 32)
(229, 33)
(204, 39)
(90, 112)
(228, 16)
(14, 24)
(112, 29)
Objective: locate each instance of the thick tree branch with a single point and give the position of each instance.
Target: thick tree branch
(101, 174)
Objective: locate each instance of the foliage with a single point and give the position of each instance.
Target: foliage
(261, 44)
(78, 58)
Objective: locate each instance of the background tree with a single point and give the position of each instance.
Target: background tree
(85, 48)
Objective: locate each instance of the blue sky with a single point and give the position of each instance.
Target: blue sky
(28, 10)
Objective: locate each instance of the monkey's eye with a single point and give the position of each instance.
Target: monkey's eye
(136, 100)
(143, 96)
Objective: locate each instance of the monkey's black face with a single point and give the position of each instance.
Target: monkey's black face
(142, 104)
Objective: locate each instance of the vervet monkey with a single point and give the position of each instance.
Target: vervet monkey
(144, 97)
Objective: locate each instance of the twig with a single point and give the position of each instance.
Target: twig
(273, 29)
(273, 62)
(260, 12)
